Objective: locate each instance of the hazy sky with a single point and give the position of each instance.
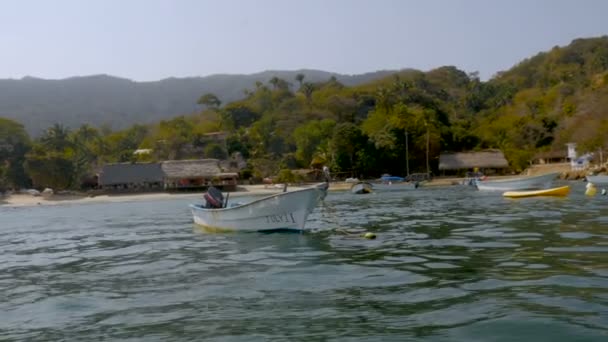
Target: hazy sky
(154, 39)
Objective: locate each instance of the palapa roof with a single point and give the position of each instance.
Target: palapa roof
(191, 168)
(127, 173)
(466, 160)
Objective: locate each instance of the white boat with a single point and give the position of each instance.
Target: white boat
(517, 184)
(598, 180)
(285, 210)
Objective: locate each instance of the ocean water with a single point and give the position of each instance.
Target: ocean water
(448, 264)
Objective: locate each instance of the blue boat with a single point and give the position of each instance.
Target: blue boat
(387, 178)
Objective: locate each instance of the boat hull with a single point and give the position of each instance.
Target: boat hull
(361, 188)
(288, 210)
(518, 184)
(598, 180)
(560, 191)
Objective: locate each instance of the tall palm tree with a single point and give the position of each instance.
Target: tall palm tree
(384, 99)
(307, 89)
(274, 81)
(56, 137)
(300, 79)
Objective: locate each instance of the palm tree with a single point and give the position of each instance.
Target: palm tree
(56, 137)
(307, 89)
(300, 79)
(384, 99)
(274, 81)
(426, 117)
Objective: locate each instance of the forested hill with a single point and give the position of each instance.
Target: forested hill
(119, 103)
(550, 99)
(359, 127)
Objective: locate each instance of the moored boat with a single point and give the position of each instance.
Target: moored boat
(362, 188)
(598, 180)
(395, 186)
(559, 191)
(285, 210)
(520, 183)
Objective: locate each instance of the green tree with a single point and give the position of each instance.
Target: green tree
(210, 100)
(308, 89)
(51, 169)
(310, 137)
(239, 115)
(14, 144)
(56, 138)
(346, 141)
(86, 145)
(300, 79)
(215, 151)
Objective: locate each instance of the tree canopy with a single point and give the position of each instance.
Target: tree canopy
(394, 124)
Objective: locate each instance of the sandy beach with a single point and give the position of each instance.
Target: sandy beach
(21, 200)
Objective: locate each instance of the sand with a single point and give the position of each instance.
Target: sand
(23, 200)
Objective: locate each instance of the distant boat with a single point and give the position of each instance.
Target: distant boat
(392, 179)
(598, 180)
(396, 186)
(362, 188)
(521, 183)
(471, 178)
(560, 191)
(285, 210)
(394, 183)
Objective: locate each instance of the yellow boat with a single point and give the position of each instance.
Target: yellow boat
(561, 191)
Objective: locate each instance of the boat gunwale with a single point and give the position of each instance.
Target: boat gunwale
(194, 206)
(556, 192)
(518, 179)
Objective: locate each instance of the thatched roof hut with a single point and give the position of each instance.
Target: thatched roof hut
(490, 159)
(199, 173)
(180, 169)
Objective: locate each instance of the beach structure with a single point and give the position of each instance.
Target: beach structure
(577, 162)
(488, 161)
(550, 157)
(167, 175)
(131, 177)
(197, 174)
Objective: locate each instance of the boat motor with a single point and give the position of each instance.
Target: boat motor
(213, 198)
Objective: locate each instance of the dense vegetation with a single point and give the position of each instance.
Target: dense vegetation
(118, 103)
(540, 104)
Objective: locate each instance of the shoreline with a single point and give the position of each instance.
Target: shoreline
(26, 200)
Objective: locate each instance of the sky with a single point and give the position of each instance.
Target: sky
(148, 40)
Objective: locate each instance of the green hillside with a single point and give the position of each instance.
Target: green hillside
(358, 129)
(119, 103)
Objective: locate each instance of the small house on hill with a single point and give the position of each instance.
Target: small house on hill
(487, 161)
(197, 174)
(131, 176)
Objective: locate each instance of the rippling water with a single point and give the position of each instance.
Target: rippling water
(448, 264)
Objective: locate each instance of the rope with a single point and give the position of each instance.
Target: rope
(339, 229)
